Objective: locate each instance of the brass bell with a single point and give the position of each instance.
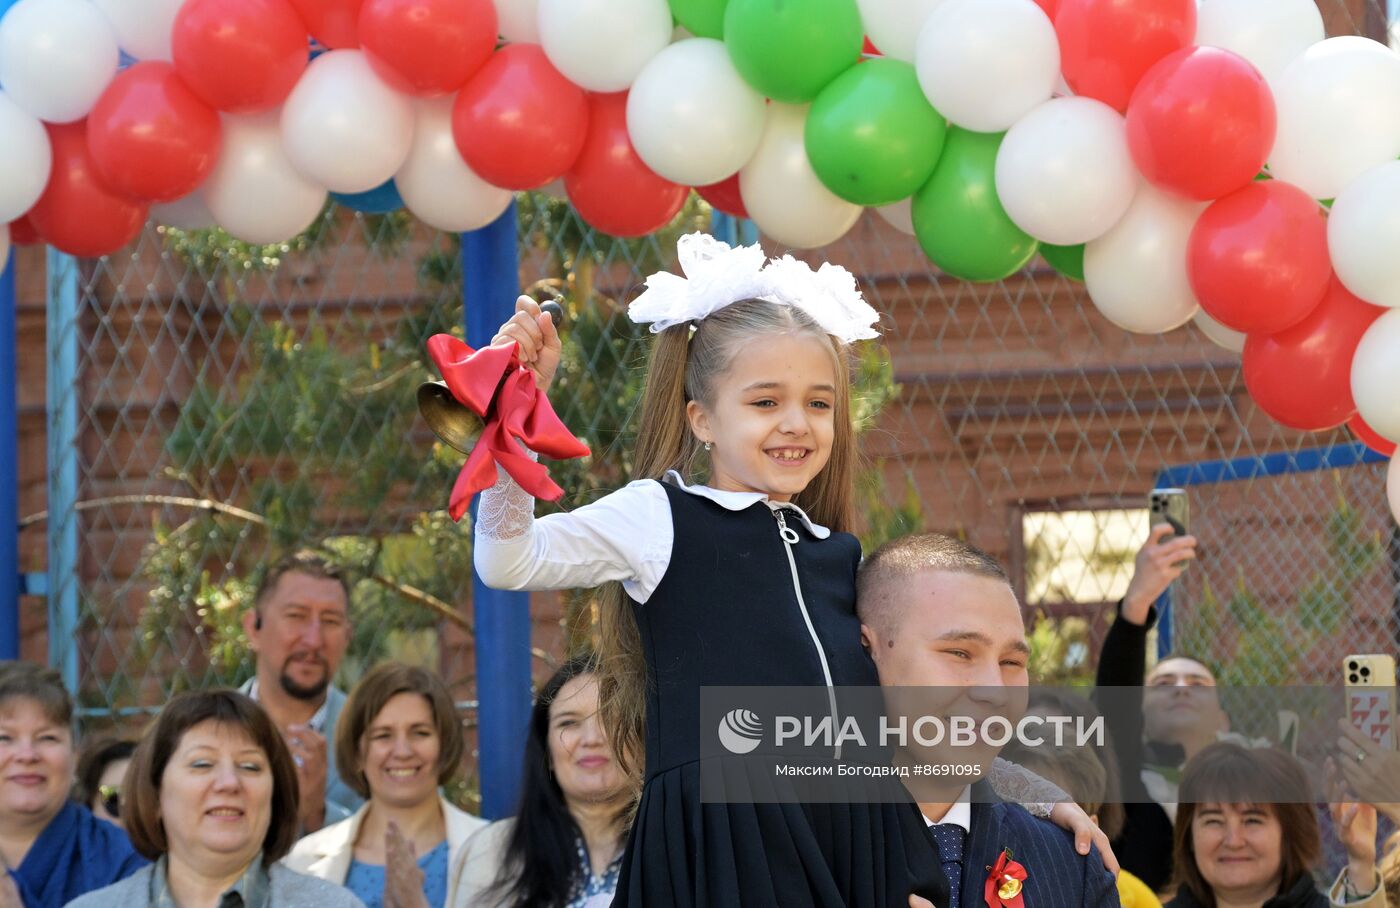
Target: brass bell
(452, 422)
(1010, 887)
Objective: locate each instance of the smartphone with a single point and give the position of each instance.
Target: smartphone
(1169, 506)
(1370, 691)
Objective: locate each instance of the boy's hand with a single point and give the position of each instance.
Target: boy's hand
(535, 337)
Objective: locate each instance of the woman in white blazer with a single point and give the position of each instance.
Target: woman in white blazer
(398, 740)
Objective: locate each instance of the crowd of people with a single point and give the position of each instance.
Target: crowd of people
(290, 792)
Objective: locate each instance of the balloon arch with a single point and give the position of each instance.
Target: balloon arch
(1226, 163)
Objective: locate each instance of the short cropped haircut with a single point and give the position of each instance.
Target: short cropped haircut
(303, 562)
(141, 788)
(97, 754)
(909, 556)
(1264, 777)
(40, 685)
(380, 685)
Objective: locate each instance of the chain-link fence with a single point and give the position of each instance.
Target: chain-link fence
(228, 403)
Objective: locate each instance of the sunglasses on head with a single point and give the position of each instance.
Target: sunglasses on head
(110, 797)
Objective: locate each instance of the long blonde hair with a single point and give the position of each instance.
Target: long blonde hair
(683, 368)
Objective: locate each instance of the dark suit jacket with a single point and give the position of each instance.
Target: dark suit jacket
(1056, 875)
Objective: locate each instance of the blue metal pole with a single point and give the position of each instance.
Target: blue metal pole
(9, 469)
(62, 342)
(490, 284)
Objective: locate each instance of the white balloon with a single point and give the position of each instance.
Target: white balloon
(518, 21)
(601, 45)
(56, 57)
(984, 64)
(1375, 375)
(1338, 114)
(142, 26)
(4, 245)
(1268, 33)
(1064, 173)
(1136, 273)
(437, 185)
(899, 215)
(1218, 334)
(254, 192)
(781, 191)
(1393, 485)
(343, 127)
(894, 25)
(189, 213)
(691, 116)
(25, 159)
(1363, 235)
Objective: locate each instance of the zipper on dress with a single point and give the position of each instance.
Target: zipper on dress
(790, 538)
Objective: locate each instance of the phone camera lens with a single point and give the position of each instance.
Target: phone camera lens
(1352, 678)
(1352, 665)
(1365, 672)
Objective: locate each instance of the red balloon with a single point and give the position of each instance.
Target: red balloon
(22, 232)
(724, 196)
(1201, 122)
(1258, 260)
(335, 23)
(1370, 437)
(151, 138)
(239, 55)
(1050, 6)
(609, 185)
(1107, 45)
(869, 48)
(427, 47)
(78, 213)
(518, 123)
(1302, 376)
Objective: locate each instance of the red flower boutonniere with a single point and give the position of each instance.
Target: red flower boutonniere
(1004, 882)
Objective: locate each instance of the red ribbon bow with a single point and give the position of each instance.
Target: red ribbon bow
(1004, 885)
(492, 384)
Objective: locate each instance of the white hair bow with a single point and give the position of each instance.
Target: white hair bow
(718, 275)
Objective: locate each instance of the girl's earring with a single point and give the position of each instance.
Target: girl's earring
(708, 446)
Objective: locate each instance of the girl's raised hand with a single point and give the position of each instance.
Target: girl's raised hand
(535, 337)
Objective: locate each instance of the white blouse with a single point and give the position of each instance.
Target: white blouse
(626, 535)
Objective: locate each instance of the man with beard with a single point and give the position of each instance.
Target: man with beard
(299, 628)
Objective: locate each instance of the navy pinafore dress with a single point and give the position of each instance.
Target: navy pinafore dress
(727, 613)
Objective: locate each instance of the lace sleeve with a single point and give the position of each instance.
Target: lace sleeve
(1021, 786)
(505, 511)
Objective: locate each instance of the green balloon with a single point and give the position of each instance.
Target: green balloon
(789, 50)
(702, 18)
(959, 219)
(872, 136)
(1068, 260)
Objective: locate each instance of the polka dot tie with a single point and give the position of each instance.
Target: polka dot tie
(949, 838)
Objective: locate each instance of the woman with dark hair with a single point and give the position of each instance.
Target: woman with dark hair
(54, 850)
(564, 847)
(1247, 836)
(101, 768)
(211, 797)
